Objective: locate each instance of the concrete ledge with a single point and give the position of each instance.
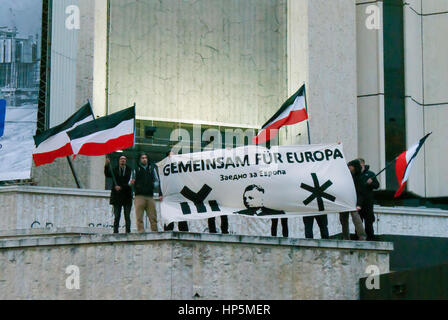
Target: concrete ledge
(431, 212)
(56, 191)
(45, 232)
(85, 236)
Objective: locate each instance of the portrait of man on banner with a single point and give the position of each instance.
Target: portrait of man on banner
(253, 201)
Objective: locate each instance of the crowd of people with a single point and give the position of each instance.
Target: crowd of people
(145, 180)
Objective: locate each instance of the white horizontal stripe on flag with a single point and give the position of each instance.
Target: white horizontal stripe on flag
(411, 151)
(298, 104)
(124, 128)
(58, 140)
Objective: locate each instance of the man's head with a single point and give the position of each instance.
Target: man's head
(354, 166)
(122, 161)
(144, 159)
(363, 163)
(253, 196)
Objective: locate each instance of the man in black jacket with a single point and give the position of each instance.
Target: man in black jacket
(121, 192)
(355, 169)
(144, 178)
(369, 183)
(322, 222)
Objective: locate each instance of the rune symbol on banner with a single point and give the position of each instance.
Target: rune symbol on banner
(317, 192)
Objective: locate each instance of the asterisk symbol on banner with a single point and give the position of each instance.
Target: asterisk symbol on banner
(317, 192)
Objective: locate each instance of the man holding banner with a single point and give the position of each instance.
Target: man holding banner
(144, 179)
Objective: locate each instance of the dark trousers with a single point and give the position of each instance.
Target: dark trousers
(284, 227)
(368, 226)
(368, 217)
(224, 225)
(182, 226)
(127, 217)
(322, 221)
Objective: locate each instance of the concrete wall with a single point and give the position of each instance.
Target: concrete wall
(182, 266)
(206, 61)
(435, 94)
(36, 207)
(64, 54)
(226, 61)
(370, 81)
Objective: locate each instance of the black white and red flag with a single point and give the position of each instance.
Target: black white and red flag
(104, 135)
(291, 112)
(404, 164)
(55, 143)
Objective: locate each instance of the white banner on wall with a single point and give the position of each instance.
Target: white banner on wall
(20, 42)
(257, 182)
(16, 143)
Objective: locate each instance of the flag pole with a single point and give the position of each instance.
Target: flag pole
(73, 172)
(91, 109)
(134, 152)
(111, 169)
(308, 120)
(387, 166)
(70, 163)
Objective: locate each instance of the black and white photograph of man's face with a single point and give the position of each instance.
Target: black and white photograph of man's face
(253, 198)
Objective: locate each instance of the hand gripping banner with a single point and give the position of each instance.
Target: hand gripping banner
(256, 182)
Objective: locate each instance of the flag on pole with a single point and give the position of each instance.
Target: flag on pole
(404, 164)
(104, 135)
(291, 112)
(55, 143)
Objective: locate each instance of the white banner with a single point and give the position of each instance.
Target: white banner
(254, 181)
(20, 42)
(17, 143)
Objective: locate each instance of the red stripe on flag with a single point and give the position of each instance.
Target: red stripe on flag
(49, 157)
(400, 168)
(99, 149)
(400, 190)
(265, 135)
(271, 131)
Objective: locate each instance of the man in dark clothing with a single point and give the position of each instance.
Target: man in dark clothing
(355, 169)
(121, 192)
(322, 222)
(369, 183)
(182, 226)
(144, 178)
(224, 225)
(274, 224)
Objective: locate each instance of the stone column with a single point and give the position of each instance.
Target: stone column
(322, 54)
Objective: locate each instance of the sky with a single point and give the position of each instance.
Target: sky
(26, 15)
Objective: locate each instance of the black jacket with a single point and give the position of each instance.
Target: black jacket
(367, 204)
(146, 179)
(263, 211)
(368, 188)
(124, 196)
(357, 180)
